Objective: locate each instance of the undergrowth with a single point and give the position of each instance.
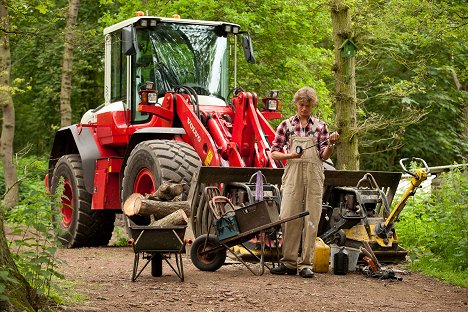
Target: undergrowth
(33, 244)
(434, 229)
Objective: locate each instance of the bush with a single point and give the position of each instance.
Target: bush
(436, 230)
(34, 245)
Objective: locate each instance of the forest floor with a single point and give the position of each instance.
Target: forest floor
(101, 280)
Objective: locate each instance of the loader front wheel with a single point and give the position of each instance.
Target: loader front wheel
(153, 162)
(210, 261)
(76, 224)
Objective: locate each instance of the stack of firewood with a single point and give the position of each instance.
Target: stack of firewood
(164, 206)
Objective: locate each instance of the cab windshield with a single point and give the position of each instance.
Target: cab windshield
(172, 55)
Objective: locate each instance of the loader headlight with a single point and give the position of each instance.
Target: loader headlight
(152, 97)
(272, 104)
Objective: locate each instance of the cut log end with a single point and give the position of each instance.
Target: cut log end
(131, 204)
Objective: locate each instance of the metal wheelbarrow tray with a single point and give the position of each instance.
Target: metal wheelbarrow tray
(155, 244)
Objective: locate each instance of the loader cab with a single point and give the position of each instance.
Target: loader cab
(167, 52)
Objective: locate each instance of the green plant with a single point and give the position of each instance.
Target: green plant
(121, 237)
(435, 229)
(34, 245)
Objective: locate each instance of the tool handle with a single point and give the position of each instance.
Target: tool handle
(420, 160)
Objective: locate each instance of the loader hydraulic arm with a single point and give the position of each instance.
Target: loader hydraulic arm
(251, 132)
(196, 133)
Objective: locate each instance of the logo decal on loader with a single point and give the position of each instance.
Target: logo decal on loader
(192, 127)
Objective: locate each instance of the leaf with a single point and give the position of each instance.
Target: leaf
(42, 8)
(4, 298)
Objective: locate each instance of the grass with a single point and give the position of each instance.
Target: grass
(440, 269)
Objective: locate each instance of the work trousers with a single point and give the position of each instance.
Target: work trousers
(302, 187)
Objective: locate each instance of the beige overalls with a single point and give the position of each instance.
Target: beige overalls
(302, 187)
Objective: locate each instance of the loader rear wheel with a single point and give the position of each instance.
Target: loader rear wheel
(77, 225)
(210, 261)
(155, 161)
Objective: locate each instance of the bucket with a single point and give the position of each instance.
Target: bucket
(353, 255)
(321, 259)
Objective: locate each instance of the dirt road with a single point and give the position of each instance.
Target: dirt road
(104, 276)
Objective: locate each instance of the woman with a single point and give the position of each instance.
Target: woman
(302, 181)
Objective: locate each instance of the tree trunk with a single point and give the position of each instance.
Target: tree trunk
(20, 294)
(65, 92)
(347, 152)
(8, 112)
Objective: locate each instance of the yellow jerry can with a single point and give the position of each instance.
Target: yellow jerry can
(321, 256)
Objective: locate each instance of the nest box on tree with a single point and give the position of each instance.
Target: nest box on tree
(348, 48)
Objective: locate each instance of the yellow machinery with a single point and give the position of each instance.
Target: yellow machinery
(362, 213)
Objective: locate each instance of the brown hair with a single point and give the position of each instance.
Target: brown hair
(306, 94)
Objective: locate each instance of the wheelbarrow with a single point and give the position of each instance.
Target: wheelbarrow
(155, 244)
(236, 226)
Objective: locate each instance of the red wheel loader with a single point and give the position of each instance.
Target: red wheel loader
(172, 110)
(168, 110)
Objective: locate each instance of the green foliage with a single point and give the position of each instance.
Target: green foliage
(412, 55)
(435, 229)
(34, 244)
(121, 239)
(36, 55)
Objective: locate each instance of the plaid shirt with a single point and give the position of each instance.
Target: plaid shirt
(282, 133)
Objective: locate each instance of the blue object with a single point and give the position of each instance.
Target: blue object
(226, 227)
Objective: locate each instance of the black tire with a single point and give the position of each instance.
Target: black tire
(77, 225)
(155, 161)
(210, 261)
(156, 265)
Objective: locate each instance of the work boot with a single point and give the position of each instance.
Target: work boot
(282, 270)
(306, 273)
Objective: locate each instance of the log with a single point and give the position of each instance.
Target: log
(167, 191)
(129, 205)
(178, 217)
(138, 205)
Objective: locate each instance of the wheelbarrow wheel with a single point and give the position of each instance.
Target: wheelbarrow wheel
(156, 265)
(209, 261)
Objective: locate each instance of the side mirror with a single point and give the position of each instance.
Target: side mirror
(248, 49)
(128, 39)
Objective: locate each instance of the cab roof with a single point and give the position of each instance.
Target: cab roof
(135, 20)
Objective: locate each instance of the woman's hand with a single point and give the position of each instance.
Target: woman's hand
(334, 137)
(296, 155)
